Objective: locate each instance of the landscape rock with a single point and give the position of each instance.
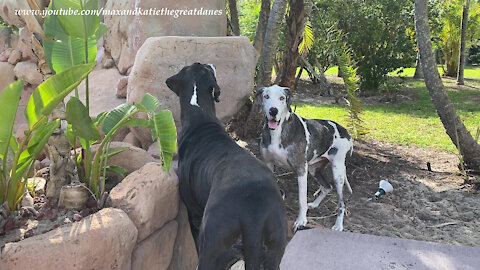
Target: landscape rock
(121, 134)
(103, 83)
(20, 133)
(7, 12)
(15, 57)
(122, 87)
(131, 139)
(132, 159)
(28, 72)
(5, 54)
(7, 38)
(126, 34)
(24, 44)
(156, 251)
(109, 63)
(39, 184)
(161, 57)
(104, 240)
(153, 150)
(149, 196)
(7, 75)
(184, 252)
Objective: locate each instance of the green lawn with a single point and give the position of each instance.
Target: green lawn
(411, 122)
(470, 72)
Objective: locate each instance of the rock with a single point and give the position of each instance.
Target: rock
(45, 162)
(28, 72)
(7, 38)
(73, 196)
(122, 87)
(77, 217)
(149, 196)
(153, 150)
(161, 57)
(5, 55)
(109, 63)
(20, 133)
(131, 139)
(126, 34)
(104, 240)
(7, 12)
(15, 57)
(24, 44)
(121, 134)
(103, 83)
(155, 252)
(184, 251)
(132, 159)
(39, 184)
(7, 75)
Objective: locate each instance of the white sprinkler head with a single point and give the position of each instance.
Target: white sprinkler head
(383, 187)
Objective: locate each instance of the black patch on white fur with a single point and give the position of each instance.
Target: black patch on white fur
(332, 151)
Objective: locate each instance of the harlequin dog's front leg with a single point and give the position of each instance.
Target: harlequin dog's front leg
(301, 221)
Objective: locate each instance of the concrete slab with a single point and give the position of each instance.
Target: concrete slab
(328, 249)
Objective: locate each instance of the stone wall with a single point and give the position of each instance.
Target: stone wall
(146, 228)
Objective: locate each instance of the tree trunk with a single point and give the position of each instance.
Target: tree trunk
(418, 69)
(232, 6)
(264, 77)
(62, 166)
(261, 26)
(468, 147)
(461, 57)
(293, 36)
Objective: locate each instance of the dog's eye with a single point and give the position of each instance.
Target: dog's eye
(282, 98)
(266, 97)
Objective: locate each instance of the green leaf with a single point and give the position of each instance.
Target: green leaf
(150, 102)
(102, 29)
(9, 100)
(38, 140)
(65, 53)
(117, 170)
(115, 116)
(82, 124)
(51, 92)
(307, 40)
(117, 151)
(138, 122)
(78, 26)
(165, 132)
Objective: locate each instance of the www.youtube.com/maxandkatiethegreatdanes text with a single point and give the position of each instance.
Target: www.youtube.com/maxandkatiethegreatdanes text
(175, 13)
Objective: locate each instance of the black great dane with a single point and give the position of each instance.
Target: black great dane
(234, 205)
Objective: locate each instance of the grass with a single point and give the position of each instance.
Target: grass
(470, 72)
(411, 122)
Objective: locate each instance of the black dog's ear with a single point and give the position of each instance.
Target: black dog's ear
(258, 100)
(288, 95)
(216, 92)
(174, 83)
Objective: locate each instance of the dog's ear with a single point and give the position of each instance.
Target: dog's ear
(174, 83)
(288, 95)
(216, 92)
(258, 100)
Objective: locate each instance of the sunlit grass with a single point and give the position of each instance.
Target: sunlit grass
(407, 123)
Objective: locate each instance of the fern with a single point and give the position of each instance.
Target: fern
(349, 76)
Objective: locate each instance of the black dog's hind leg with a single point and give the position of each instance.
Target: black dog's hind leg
(195, 223)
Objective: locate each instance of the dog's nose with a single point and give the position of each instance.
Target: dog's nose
(273, 111)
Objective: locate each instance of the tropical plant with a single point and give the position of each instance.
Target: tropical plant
(161, 123)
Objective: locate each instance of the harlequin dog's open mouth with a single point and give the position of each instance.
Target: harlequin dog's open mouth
(272, 124)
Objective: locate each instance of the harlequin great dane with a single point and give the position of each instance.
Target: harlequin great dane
(304, 146)
(234, 205)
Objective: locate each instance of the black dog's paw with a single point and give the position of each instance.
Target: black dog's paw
(301, 228)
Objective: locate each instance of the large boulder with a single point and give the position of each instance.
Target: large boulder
(126, 34)
(102, 88)
(104, 240)
(131, 159)
(162, 57)
(7, 75)
(156, 251)
(149, 196)
(184, 251)
(7, 11)
(29, 72)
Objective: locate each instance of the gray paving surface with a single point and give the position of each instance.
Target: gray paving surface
(327, 249)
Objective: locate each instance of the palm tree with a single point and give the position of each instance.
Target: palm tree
(261, 26)
(456, 130)
(463, 37)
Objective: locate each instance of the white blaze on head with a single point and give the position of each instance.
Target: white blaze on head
(214, 70)
(275, 97)
(194, 101)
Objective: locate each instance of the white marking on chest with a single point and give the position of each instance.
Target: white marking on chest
(277, 152)
(194, 101)
(214, 70)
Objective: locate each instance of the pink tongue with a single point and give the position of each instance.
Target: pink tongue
(272, 124)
